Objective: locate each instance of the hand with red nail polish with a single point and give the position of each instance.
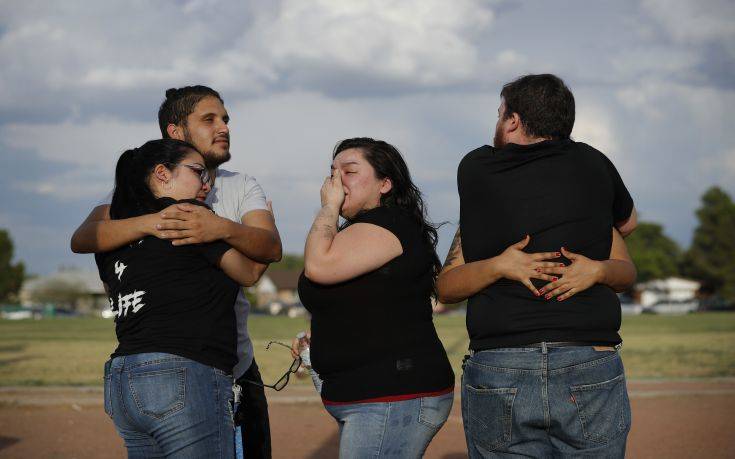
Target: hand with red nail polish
(517, 265)
(581, 274)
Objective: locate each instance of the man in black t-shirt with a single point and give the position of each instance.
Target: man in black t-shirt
(544, 377)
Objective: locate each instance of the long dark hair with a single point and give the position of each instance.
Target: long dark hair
(133, 195)
(387, 162)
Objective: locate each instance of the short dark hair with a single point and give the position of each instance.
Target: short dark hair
(543, 102)
(179, 104)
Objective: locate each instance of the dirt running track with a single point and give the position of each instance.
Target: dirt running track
(676, 419)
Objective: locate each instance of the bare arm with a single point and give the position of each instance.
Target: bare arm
(359, 249)
(628, 225)
(331, 257)
(256, 236)
(618, 272)
(459, 280)
(240, 268)
(100, 234)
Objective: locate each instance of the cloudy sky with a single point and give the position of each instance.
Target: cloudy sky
(80, 82)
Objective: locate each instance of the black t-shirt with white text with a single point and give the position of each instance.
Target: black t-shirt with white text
(172, 299)
(563, 194)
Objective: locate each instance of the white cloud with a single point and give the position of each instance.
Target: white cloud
(94, 143)
(59, 56)
(71, 186)
(91, 148)
(592, 126)
(706, 107)
(511, 59)
(424, 42)
(658, 61)
(720, 166)
(694, 21)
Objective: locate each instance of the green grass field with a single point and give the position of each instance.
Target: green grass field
(72, 351)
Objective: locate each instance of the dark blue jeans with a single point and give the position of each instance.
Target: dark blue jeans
(545, 402)
(164, 405)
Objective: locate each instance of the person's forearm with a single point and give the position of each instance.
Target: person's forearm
(96, 236)
(258, 244)
(320, 238)
(460, 283)
(242, 269)
(619, 275)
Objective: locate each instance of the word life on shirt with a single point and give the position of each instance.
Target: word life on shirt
(126, 302)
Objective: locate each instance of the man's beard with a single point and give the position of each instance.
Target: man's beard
(211, 159)
(498, 140)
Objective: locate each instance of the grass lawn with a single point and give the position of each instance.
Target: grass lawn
(72, 351)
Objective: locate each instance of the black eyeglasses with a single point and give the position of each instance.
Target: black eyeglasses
(202, 171)
(283, 381)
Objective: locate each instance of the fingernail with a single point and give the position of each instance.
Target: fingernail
(537, 293)
(554, 279)
(559, 299)
(548, 296)
(541, 291)
(558, 254)
(158, 226)
(561, 265)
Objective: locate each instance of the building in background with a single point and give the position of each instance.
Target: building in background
(69, 289)
(672, 295)
(277, 293)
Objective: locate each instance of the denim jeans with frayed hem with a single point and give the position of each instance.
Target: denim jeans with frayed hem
(164, 405)
(401, 429)
(545, 402)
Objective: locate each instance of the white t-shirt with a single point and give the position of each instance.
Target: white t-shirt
(234, 195)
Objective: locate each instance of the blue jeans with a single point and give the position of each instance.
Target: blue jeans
(545, 402)
(164, 405)
(400, 429)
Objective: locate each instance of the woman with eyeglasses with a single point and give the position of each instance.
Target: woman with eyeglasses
(168, 385)
(368, 285)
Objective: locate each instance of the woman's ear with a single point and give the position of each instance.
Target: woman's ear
(162, 174)
(386, 186)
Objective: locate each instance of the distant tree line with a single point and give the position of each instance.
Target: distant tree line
(11, 275)
(711, 257)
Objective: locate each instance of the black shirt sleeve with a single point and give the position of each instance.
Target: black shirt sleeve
(385, 217)
(623, 202)
(213, 251)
